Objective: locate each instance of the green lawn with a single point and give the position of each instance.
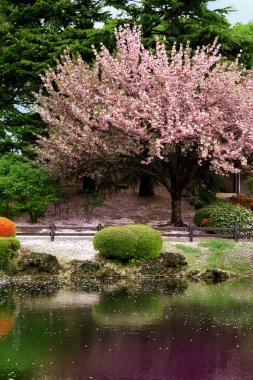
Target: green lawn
(217, 253)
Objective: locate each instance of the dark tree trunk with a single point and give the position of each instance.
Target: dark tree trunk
(181, 168)
(176, 212)
(176, 209)
(88, 184)
(146, 188)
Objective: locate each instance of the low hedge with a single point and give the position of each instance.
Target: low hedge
(133, 241)
(8, 248)
(224, 215)
(230, 215)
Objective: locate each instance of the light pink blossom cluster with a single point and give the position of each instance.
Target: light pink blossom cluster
(136, 101)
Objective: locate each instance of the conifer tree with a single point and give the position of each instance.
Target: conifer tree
(32, 34)
(181, 21)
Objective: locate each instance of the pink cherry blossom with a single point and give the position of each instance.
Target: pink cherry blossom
(170, 114)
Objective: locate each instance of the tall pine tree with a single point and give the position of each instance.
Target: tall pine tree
(181, 21)
(32, 34)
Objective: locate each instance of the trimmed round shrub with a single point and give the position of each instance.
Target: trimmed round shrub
(117, 242)
(8, 248)
(7, 228)
(149, 241)
(133, 241)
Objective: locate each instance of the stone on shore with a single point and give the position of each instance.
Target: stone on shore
(38, 263)
(214, 275)
(166, 264)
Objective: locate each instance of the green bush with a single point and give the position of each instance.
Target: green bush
(224, 215)
(8, 248)
(7, 208)
(229, 215)
(203, 213)
(204, 186)
(149, 241)
(203, 199)
(115, 242)
(133, 241)
(25, 187)
(91, 200)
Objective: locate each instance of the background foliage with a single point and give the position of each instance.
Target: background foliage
(25, 188)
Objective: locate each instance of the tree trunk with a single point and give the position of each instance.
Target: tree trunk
(88, 184)
(176, 216)
(146, 188)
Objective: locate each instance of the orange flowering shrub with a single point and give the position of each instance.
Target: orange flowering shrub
(7, 228)
(242, 200)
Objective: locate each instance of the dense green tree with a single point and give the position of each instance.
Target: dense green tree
(25, 188)
(181, 20)
(32, 34)
(245, 33)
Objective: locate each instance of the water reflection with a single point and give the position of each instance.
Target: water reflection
(6, 312)
(143, 331)
(127, 306)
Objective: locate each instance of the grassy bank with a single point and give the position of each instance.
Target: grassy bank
(236, 258)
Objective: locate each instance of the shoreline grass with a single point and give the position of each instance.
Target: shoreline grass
(236, 258)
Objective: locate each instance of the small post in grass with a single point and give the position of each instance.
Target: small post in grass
(52, 231)
(236, 233)
(191, 228)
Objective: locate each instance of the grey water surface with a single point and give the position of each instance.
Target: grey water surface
(152, 330)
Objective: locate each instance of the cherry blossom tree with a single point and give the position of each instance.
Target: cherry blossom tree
(164, 115)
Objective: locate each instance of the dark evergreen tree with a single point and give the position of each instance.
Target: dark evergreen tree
(245, 33)
(32, 34)
(181, 21)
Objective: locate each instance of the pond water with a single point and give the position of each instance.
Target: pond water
(150, 331)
